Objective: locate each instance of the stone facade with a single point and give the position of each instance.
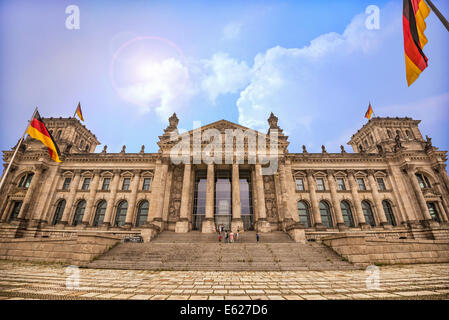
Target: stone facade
(393, 185)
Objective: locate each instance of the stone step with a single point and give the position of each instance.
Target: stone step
(171, 251)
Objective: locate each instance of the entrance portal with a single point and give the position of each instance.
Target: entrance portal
(223, 199)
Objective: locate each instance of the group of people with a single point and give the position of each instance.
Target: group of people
(230, 236)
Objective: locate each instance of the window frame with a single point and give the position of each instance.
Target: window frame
(322, 186)
(128, 184)
(301, 186)
(86, 183)
(362, 185)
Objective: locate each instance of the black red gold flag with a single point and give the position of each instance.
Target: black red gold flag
(79, 112)
(414, 15)
(38, 131)
(369, 113)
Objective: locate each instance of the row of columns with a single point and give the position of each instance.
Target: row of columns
(183, 225)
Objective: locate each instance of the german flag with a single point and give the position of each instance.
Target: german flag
(78, 111)
(38, 131)
(415, 13)
(369, 113)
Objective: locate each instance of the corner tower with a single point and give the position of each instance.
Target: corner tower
(69, 134)
(385, 134)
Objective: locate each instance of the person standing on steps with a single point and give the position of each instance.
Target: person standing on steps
(226, 236)
(219, 237)
(257, 236)
(237, 235)
(231, 236)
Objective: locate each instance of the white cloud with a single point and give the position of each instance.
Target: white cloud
(156, 85)
(223, 75)
(232, 30)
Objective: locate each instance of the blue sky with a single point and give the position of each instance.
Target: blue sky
(313, 63)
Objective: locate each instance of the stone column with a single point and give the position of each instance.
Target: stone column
(440, 169)
(91, 200)
(158, 194)
(442, 210)
(182, 226)
(209, 223)
(400, 195)
(314, 201)
(132, 200)
(6, 189)
(39, 170)
(290, 200)
(50, 182)
(411, 170)
(377, 201)
(262, 225)
(356, 200)
(110, 206)
(237, 222)
(72, 193)
(334, 197)
(7, 209)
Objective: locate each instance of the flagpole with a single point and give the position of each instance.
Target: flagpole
(15, 151)
(438, 14)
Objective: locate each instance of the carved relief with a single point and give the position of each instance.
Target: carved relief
(175, 193)
(270, 199)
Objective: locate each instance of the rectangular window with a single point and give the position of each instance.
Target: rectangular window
(146, 184)
(106, 183)
(299, 184)
(66, 184)
(126, 183)
(361, 184)
(320, 184)
(86, 184)
(341, 184)
(381, 184)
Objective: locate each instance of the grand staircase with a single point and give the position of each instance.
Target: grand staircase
(195, 251)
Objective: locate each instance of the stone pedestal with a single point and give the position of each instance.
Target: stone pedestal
(148, 234)
(386, 226)
(342, 227)
(237, 224)
(158, 223)
(263, 226)
(208, 226)
(182, 226)
(298, 235)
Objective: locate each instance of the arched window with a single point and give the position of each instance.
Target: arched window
(389, 213)
(58, 134)
(25, 181)
(79, 213)
(58, 212)
(142, 213)
(99, 213)
(325, 213)
(409, 134)
(368, 213)
(303, 212)
(347, 214)
(120, 216)
(423, 181)
(389, 134)
(433, 211)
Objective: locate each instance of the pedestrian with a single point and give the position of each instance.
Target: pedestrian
(226, 236)
(231, 236)
(257, 236)
(237, 235)
(219, 237)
